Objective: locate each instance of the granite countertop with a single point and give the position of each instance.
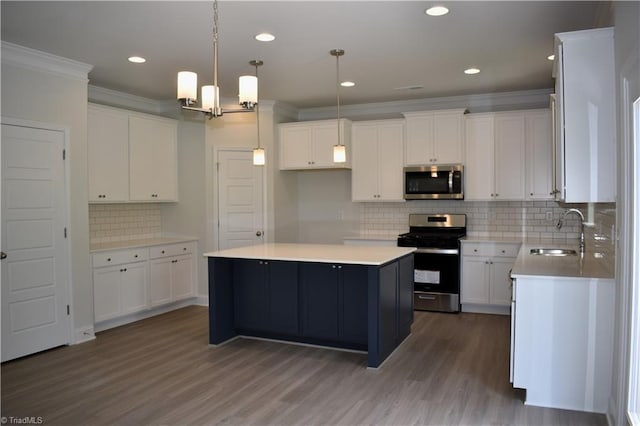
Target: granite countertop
(116, 245)
(593, 264)
(324, 253)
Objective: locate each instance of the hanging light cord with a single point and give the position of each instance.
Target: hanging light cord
(257, 64)
(337, 53)
(215, 43)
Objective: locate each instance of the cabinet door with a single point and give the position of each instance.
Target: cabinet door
(295, 147)
(448, 130)
(319, 283)
(107, 302)
(250, 290)
(323, 138)
(108, 154)
(475, 280)
(478, 180)
(182, 281)
(354, 308)
(509, 156)
(389, 165)
(365, 167)
(419, 145)
(152, 159)
(283, 297)
(134, 287)
(538, 156)
(160, 281)
(500, 288)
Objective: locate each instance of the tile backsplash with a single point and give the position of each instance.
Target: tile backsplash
(122, 222)
(498, 219)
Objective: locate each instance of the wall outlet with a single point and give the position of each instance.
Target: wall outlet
(549, 216)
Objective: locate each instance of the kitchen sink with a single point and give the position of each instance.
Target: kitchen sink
(552, 252)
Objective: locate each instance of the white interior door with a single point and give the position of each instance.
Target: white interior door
(240, 209)
(35, 284)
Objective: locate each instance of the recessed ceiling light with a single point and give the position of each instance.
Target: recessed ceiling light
(347, 84)
(137, 59)
(551, 57)
(437, 11)
(471, 71)
(265, 37)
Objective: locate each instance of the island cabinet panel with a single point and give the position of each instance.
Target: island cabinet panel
(266, 296)
(334, 302)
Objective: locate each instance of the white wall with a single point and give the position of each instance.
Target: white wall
(39, 95)
(626, 19)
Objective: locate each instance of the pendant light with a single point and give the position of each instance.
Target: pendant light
(188, 85)
(258, 153)
(339, 150)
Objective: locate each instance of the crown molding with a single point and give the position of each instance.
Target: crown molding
(501, 101)
(37, 60)
(114, 98)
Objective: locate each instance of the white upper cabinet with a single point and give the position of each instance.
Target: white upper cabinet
(132, 157)
(153, 159)
(377, 165)
(509, 156)
(434, 137)
(108, 154)
(309, 144)
(538, 155)
(585, 115)
(495, 152)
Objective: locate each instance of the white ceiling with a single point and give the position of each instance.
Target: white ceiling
(388, 44)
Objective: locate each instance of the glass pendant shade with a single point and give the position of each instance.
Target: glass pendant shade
(187, 85)
(339, 154)
(258, 157)
(210, 97)
(248, 85)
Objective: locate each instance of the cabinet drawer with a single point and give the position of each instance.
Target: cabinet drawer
(172, 250)
(491, 249)
(119, 257)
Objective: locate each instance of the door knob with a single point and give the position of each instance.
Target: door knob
(3, 255)
(259, 233)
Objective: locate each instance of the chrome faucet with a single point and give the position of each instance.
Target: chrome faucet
(579, 213)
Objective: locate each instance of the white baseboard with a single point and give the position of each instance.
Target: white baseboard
(83, 335)
(137, 316)
(202, 301)
(486, 309)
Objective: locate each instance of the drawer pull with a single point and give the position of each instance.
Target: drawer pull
(426, 297)
(162, 252)
(135, 255)
(108, 259)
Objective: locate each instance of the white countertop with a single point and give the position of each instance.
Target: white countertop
(116, 245)
(324, 253)
(592, 265)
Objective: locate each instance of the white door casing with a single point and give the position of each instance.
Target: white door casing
(35, 275)
(240, 199)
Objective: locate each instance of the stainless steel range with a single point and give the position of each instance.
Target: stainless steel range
(436, 260)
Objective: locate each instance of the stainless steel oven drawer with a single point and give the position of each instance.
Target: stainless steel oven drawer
(441, 302)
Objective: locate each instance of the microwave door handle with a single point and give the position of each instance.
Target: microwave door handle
(450, 181)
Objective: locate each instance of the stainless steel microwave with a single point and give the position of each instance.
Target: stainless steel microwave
(434, 182)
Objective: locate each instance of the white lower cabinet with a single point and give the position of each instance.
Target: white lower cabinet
(561, 341)
(172, 273)
(485, 282)
(134, 280)
(119, 283)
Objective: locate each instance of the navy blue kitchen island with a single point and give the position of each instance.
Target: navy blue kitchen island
(351, 297)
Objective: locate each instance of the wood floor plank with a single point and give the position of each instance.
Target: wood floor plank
(452, 370)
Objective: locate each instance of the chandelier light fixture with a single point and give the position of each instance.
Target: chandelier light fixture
(210, 95)
(258, 153)
(339, 150)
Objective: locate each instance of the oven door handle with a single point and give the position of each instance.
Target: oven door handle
(451, 181)
(437, 251)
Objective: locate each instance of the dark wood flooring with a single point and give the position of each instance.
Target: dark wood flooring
(452, 370)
